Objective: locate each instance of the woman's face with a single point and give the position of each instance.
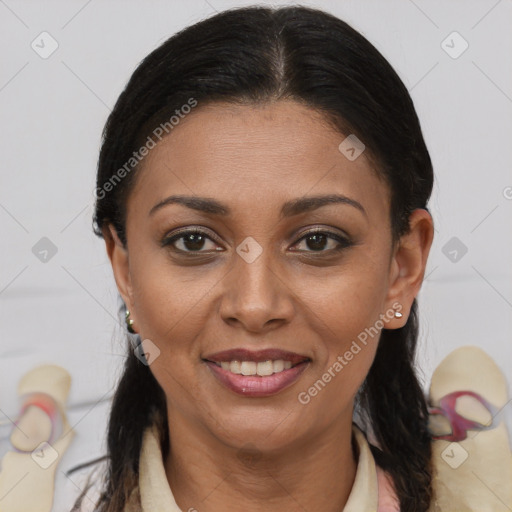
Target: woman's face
(257, 277)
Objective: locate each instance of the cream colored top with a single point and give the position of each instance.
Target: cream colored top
(473, 475)
(482, 482)
(371, 491)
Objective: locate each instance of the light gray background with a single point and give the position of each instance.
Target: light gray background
(53, 111)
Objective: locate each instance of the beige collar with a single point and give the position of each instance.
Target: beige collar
(156, 495)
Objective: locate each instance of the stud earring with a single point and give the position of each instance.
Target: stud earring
(398, 314)
(129, 322)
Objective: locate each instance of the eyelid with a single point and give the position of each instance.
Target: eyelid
(189, 229)
(325, 230)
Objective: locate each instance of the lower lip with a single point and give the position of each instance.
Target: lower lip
(254, 385)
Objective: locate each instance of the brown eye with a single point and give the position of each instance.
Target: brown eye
(193, 240)
(318, 241)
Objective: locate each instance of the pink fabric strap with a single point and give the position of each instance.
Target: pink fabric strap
(388, 501)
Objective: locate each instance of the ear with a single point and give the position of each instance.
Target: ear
(408, 264)
(118, 256)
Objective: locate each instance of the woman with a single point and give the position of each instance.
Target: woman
(262, 191)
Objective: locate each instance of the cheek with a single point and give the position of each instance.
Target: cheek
(339, 382)
(346, 313)
(169, 300)
(347, 340)
(350, 298)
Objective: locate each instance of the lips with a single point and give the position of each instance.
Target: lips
(254, 386)
(240, 354)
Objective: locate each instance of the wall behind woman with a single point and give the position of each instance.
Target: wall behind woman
(64, 65)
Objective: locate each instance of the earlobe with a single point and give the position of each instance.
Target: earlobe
(408, 266)
(118, 256)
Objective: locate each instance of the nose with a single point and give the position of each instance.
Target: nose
(257, 295)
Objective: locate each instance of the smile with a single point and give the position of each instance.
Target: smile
(261, 379)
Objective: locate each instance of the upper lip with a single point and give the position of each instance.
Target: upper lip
(258, 356)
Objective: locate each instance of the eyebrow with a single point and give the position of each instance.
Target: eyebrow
(289, 209)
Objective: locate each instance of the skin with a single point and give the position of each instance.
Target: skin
(298, 295)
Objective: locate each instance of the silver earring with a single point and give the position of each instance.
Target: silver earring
(398, 314)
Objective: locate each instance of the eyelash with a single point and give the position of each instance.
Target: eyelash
(344, 242)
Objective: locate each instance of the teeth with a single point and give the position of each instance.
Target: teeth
(279, 365)
(265, 368)
(248, 367)
(262, 369)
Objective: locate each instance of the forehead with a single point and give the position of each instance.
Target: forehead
(261, 153)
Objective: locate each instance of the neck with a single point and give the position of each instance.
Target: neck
(207, 475)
